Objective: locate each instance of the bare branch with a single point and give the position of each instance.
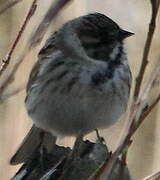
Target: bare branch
(7, 59)
(152, 26)
(137, 113)
(154, 176)
(12, 93)
(10, 76)
(9, 5)
(49, 15)
(158, 4)
(147, 111)
(55, 7)
(136, 117)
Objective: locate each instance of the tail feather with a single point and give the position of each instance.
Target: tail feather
(30, 144)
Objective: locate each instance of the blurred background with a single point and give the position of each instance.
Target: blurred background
(144, 154)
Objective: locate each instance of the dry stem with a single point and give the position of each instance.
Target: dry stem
(38, 34)
(137, 115)
(152, 26)
(154, 176)
(138, 111)
(11, 74)
(14, 92)
(9, 5)
(7, 59)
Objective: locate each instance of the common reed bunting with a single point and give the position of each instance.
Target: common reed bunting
(80, 82)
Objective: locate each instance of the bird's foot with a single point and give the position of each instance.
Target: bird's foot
(74, 154)
(100, 139)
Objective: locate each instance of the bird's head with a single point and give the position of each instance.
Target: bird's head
(101, 28)
(95, 35)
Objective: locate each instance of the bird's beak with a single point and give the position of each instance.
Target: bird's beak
(124, 34)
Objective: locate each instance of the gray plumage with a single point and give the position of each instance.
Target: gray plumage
(82, 79)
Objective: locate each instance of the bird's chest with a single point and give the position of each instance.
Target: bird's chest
(78, 101)
(83, 109)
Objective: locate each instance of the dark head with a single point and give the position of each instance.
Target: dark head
(99, 35)
(99, 25)
(93, 35)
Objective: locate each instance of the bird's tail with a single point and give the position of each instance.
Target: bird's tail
(30, 143)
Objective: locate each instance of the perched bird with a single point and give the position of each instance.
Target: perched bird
(81, 81)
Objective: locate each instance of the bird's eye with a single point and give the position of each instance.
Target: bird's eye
(89, 39)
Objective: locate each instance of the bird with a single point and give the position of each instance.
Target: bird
(81, 81)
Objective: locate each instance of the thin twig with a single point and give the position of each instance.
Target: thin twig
(147, 112)
(158, 4)
(11, 74)
(58, 5)
(9, 5)
(14, 92)
(152, 26)
(154, 176)
(55, 7)
(7, 59)
(137, 114)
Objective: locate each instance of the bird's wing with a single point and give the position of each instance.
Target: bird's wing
(46, 50)
(33, 139)
(49, 47)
